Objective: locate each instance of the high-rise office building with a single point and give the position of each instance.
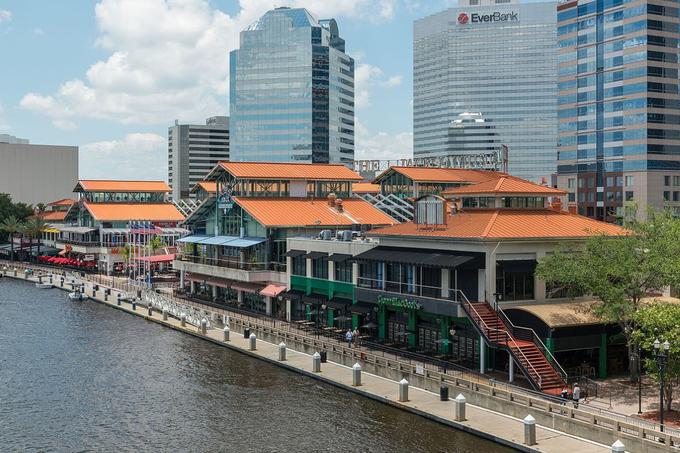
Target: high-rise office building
(619, 108)
(292, 91)
(484, 74)
(194, 150)
(12, 140)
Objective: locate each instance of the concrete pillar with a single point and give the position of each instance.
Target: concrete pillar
(289, 310)
(445, 284)
(459, 408)
(482, 355)
(356, 375)
(331, 271)
(268, 305)
(226, 333)
(539, 284)
(182, 273)
(165, 314)
(204, 326)
(308, 267)
(355, 274)
(192, 287)
(253, 342)
(149, 309)
(316, 362)
(511, 368)
(403, 390)
(490, 274)
(618, 447)
(183, 320)
(214, 292)
(529, 430)
(239, 296)
(282, 352)
(481, 285)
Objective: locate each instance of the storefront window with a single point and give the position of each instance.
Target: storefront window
(320, 268)
(299, 265)
(515, 285)
(343, 271)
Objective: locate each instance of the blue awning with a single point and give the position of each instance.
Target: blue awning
(219, 240)
(245, 242)
(192, 239)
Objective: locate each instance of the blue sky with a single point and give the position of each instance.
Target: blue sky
(110, 76)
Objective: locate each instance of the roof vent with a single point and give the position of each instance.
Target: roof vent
(344, 235)
(430, 210)
(338, 205)
(325, 235)
(556, 204)
(331, 199)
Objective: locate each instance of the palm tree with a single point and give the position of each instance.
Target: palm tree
(34, 230)
(11, 225)
(156, 243)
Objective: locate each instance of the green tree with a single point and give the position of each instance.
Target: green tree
(156, 243)
(35, 227)
(8, 209)
(619, 271)
(11, 225)
(660, 321)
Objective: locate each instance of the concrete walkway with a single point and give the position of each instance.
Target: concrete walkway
(484, 423)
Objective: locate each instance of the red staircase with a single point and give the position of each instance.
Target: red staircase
(527, 349)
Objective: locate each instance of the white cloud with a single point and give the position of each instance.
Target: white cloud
(5, 16)
(136, 156)
(367, 76)
(381, 145)
(169, 59)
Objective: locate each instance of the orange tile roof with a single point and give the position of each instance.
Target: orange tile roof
(53, 215)
(108, 212)
(208, 186)
(505, 185)
(365, 187)
(444, 175)
(62, 202)
(288, 171)
(508, 224)
(121, 186)
(301, 212)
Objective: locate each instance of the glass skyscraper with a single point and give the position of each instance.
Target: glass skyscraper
(291, 91)
(619, 108)
(485, 76)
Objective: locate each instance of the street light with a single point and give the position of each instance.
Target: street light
(661, 362)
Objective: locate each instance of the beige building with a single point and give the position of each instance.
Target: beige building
(38, 173)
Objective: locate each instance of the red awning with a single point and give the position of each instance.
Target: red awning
(246, 287)
(157, 258)
(272, 290)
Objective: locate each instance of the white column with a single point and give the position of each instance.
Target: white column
(268, 305)
(331, 270)
(511, 368)
(214, 291)
(481, 284)
(490, 274)
(482, 355)
(445, 283)
(239, 296)
(309, 267)
(289, 269)
(539, 284)
(355, 274)
(193, 287)
(289, 314)
(181, 278)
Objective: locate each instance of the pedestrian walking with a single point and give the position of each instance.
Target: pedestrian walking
(349, 337)
(355, 336)
(576, 395)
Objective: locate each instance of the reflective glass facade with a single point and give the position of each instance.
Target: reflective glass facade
(619, 107)
(291, 91)
(495, 64)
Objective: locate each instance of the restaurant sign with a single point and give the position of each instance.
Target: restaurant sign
(396, 302)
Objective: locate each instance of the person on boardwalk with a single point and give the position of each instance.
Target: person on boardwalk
(349, 337)
(576, 395)
(355, 337)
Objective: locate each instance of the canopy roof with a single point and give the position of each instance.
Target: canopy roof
(157, 212)
(287, 171)
(90, 185)
(441, 175)
(414, 256)
(505, 185)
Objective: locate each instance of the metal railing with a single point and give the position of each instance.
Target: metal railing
(232, 264)
(407, 289)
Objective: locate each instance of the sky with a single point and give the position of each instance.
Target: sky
(110, 76)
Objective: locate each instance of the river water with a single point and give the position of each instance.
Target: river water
(84, 377)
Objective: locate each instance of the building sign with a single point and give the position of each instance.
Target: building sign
(479, 18)
(496, 160)
(396, 302)
(88, 258)
(225, 194)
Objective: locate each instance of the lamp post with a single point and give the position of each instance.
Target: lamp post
(661, 357)
(639, 364)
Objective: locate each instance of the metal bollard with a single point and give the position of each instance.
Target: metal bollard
(356, 375)
(165, 314)
(94, 292)
(403, 390)
(40, 279)
(618, 447)
(253, 342)
(459, 408)
(183, 320)
(282, 352)
(134, 305)
(149, 309)
(106, 296)
(226, 333)
(204, 326)
(62, 282)
(529, 430)
(316, 362)
(118, 299)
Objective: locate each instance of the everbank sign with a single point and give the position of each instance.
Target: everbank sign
(478, 18)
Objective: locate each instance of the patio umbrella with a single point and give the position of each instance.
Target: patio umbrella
(342, 318)
(370, 325)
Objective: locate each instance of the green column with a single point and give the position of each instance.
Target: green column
(412, 321)
(308, 313)
(330, 313)
(382, 323)
(551, 347)
(603, 356)
(355, 321)
(444, 332)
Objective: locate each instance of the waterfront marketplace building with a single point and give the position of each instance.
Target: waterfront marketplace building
(437, 281)
(98, 226)
(237, 253)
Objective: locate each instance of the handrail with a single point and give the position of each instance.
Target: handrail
(536, 339)
(538, 375)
